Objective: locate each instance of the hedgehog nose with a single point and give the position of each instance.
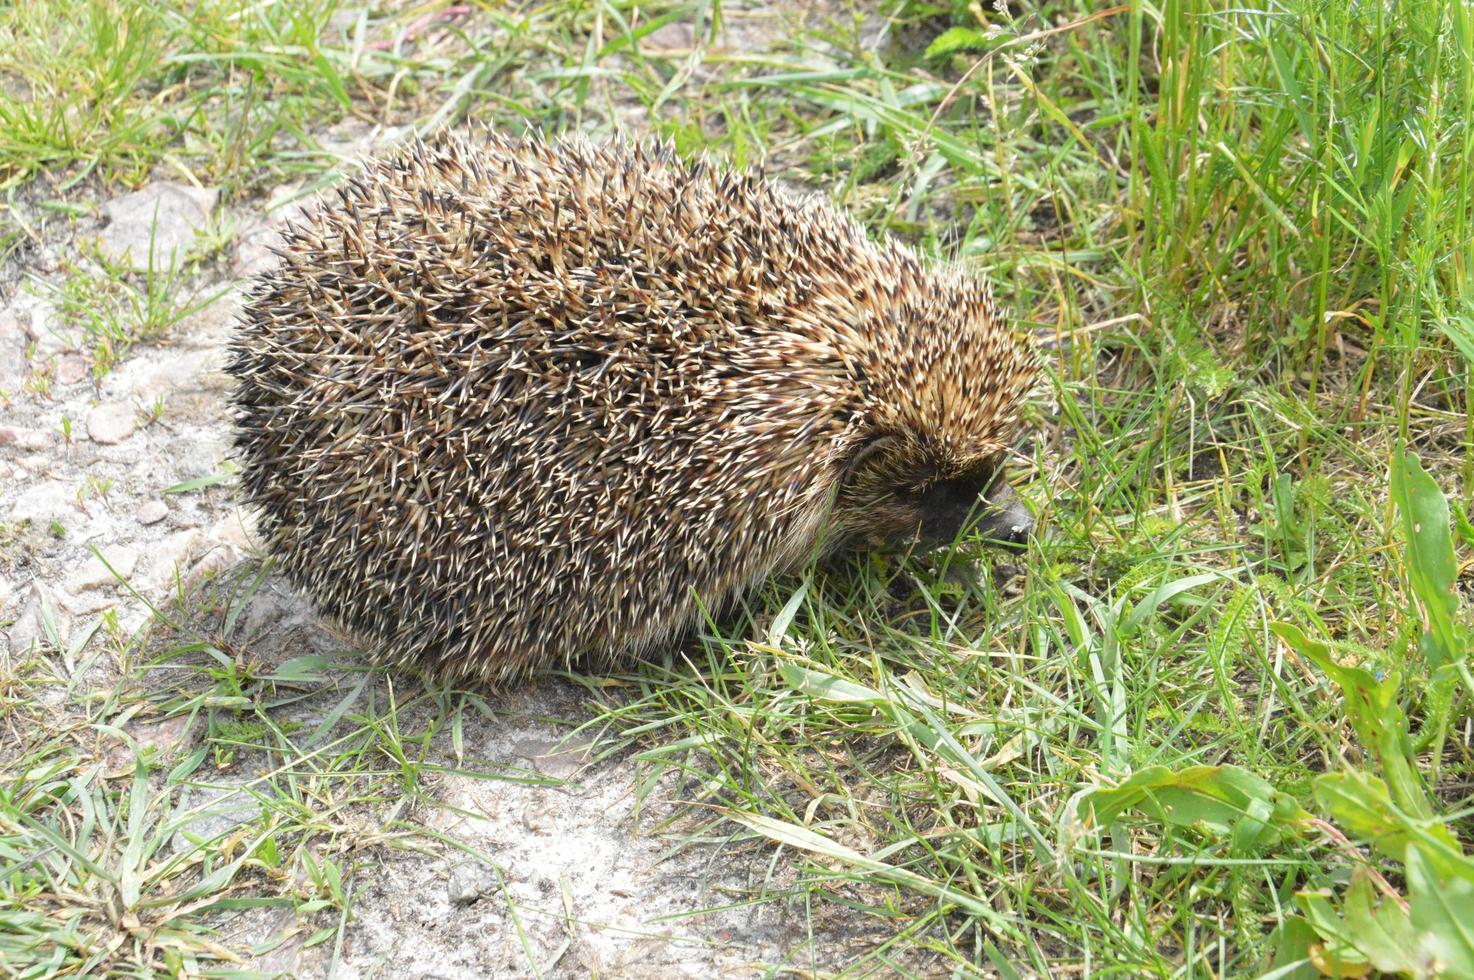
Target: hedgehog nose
(1008, 522)
(1015, 525)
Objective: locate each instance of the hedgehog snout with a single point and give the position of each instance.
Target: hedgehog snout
(1006, 522)
(991, 508)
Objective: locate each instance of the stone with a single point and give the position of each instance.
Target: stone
(111, 424)
(675, 37)
(223, 809)
(233, 531)
(85, 603)
(217, 559)
(198, 457)
(172, 556)
(26, 440)
(12, 331)
(212, 328)
(152, 512)
(160, 737)
(13, 344)
(253, 253)
(225, 544)
(47, 334)
(179, 547)
(143, 380)
(468, 883)
(71, 369)
(155, 227)
(160, 734)
(94, 574)
(552, 758)
(29, 630)
(49, 500)
(288, 958)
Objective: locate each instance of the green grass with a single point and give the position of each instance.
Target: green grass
(1244, 233)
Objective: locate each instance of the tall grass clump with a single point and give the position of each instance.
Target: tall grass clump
(1305, 171)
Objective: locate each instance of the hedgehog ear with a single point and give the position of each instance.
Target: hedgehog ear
(866, 450)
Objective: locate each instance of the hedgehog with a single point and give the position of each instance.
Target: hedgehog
(509, 404)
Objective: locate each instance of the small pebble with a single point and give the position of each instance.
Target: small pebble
(469, 883)
(111, 424)
(26, 439)
(153, 512)
(71, 369)
(94, 574)
(539, 819)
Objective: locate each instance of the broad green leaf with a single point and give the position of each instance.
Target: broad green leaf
(1361, 805)
(1431, 567)
(1223, 800)
(1292, 940)
(1380, 930)
(1337, 955)
(306, 669)
(1443, 915)
(784, 619)
(826, 687)
(1375, 714)
(1371, 701)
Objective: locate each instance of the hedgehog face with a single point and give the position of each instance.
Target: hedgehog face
(897, 494)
